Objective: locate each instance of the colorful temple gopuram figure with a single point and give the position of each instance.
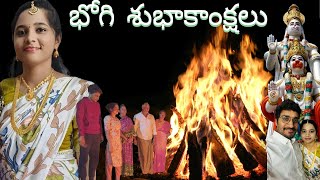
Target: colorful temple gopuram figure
(276, 58)
(298, 84)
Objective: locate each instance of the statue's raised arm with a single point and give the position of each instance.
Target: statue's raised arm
(276, 56)
(298, 85)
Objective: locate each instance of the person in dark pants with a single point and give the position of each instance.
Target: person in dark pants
(90, 131)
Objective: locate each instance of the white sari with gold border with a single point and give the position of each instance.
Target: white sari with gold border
(311, 162)
(34, 155)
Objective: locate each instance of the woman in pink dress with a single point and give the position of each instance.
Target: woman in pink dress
(127, 149)
(112, 127)
(160, 143)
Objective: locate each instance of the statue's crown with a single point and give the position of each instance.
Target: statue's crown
(293, 13)
(297, 48)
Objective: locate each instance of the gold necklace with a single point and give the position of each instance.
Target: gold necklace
(20, 130)
(313, 160)
(30, 94)
(298, 87)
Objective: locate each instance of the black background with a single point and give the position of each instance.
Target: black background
(137, 64)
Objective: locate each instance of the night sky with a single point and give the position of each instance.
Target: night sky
(137, 64)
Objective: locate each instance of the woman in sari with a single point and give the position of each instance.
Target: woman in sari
(310, 147)
(127, 149)
(160, 143)
(38, 130)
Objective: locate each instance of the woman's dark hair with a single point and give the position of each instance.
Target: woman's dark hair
(122, 105)
(308, 121)
(54, 22)
(287, 105)
(110, 106)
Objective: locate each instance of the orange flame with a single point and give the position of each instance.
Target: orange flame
(206, 97)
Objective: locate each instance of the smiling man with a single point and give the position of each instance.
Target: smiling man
(283, 153)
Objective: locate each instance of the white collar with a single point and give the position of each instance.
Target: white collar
(283, 139)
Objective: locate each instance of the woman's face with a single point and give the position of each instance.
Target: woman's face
(308, 133)
(123, 111)
(115, 110)
(162, 115)
(34, 40)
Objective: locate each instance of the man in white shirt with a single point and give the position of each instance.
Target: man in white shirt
(145, 128)
(284, 157)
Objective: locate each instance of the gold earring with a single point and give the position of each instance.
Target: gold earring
(55, 53)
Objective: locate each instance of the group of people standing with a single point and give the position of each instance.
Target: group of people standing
(121, 132)
(148, 134)
(50, 122)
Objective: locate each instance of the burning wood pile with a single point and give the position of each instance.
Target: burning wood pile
(218, 127)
